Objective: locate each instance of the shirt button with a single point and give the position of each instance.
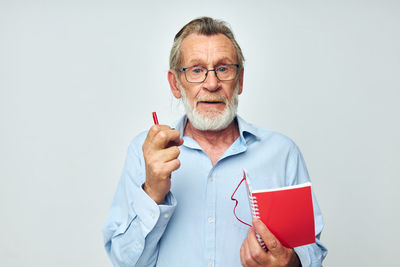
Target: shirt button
(139, 246)
(166, 215)
(153, 214)
(211, 179)
(210, 219)
(210, 264)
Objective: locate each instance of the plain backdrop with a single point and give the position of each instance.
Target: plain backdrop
(79, 79)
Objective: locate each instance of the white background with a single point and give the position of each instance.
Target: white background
(79, 79)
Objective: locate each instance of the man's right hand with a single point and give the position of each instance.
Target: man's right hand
(160, 151)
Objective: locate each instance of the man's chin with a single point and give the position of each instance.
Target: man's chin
(210, 114)
(210, 121)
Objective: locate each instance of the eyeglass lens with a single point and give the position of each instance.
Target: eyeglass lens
(199, 74)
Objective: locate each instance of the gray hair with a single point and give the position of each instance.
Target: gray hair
(205, 26)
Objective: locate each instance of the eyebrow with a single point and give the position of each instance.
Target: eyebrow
(195, 62)
(221, 61)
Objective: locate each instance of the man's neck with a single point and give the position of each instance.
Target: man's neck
(213, 143)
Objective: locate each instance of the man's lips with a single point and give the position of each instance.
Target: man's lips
(211, 102)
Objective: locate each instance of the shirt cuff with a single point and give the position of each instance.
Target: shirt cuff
(166, 210)
(150, 213)
(302, 253)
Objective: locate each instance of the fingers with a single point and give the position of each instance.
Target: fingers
(158, 170)
(169, 153)
(243, 253)
(160, 152)
(254, 244)
(251, 253)
(258, 254)
(272, 243)
(246, 256)
(161, 136)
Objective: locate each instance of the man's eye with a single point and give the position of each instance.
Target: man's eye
(197, 70)
(222, 69)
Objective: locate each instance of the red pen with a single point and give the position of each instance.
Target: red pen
(155, 118)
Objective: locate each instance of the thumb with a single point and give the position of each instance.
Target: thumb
(271, 242)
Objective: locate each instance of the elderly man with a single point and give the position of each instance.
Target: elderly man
(172, 207)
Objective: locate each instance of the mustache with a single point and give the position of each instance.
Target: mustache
(212, 98)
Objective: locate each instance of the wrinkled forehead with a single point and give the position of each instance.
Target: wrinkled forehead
(207, 49)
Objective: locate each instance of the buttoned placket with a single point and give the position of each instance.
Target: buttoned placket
(211, 198)
(210, 218)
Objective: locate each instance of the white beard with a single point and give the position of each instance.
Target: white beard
(213, 120)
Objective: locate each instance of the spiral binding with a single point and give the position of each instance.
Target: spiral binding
(256, 214)
(253, 207)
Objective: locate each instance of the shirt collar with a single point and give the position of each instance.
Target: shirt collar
(248, 132)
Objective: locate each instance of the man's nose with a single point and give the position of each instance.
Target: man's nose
(211, 83)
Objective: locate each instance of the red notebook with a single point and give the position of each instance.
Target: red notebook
(286, 211)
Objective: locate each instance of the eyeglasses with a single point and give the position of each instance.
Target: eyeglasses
(197, 74)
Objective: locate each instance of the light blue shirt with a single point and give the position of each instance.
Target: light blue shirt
(196, 225)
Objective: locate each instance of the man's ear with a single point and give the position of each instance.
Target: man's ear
(241, 74)
(173, 83)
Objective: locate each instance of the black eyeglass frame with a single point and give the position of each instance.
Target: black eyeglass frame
(214, 69)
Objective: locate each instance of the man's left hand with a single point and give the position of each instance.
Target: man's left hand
(253, 255)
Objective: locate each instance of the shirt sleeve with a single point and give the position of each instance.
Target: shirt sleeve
(135, 223)
(296, 173)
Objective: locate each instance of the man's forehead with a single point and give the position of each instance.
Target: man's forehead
(197, 46)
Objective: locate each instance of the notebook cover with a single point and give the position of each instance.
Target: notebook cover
(288, 214)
